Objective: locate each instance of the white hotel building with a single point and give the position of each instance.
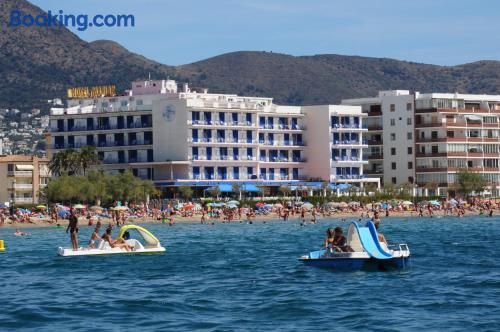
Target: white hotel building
(203, 139)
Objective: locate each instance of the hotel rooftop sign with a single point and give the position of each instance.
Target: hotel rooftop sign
(92, 92)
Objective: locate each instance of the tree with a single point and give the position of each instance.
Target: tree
(325, 186)
(469, 182)
(285, 190)
(88, 157)
(186, 192)
(70, 162)
(214, 192)
(237, 188)
(264, 190)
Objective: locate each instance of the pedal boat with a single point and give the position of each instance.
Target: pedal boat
(149, 244)
(369, 253)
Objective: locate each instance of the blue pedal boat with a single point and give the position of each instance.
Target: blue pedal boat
(369, 253)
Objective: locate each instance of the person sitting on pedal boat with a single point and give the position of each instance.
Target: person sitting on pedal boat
(118, 243)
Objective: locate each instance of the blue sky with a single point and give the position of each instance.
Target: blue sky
(442, 32)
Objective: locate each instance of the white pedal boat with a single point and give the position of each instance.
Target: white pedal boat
(151, 245)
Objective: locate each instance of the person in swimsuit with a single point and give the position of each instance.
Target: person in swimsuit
(330, 235)
(340, 241)
(118, 243)
(95, 235)
(19, 233)
(381, 237)
(73, 228)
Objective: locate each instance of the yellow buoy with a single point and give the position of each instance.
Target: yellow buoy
(2, 247)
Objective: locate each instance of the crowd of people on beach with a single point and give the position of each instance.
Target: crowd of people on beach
(169, 211)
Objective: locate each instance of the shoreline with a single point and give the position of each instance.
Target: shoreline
(44, 223)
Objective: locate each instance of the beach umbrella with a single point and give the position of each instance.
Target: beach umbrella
(120, 208)
(307, 205)
(188, 206)
(354, 203)
(41, 206)
(233, 202)
(369, 205)
(268, 206)
(96, 208)
(259, 204)
(79, 206)
(434, 203)
(343, 204)
(278, 205)
(407, 203)
(232, 206)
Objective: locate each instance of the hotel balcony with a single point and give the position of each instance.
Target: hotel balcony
(23, 186)
(348, 127)
(454, 110)
(221, 158)
(376, 156)
(375, 128)
(375, 113)
(19, 174)
(280, 143)
(373, 172)
(74, 129)
(281, 127)
(425, 169)
(222, 141)
(282, 160)
(91, 109)
(350, 142)
(213, 123)
(347, 177)
(23, 200)
(347, 159)
(101, 145)
(375, 142)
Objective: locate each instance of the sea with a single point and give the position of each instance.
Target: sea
(247, 277)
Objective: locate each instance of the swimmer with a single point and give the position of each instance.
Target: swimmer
(19, 233)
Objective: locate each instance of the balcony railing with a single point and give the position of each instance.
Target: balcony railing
(348, 126)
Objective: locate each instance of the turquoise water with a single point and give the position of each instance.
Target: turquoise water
(244, 277)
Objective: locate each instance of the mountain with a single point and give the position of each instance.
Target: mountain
(37, 64)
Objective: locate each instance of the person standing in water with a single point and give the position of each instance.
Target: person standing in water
(73, 228)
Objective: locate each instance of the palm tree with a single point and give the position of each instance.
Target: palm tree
(88, 157)
(237, 188)
(64, 162)
(285, 190)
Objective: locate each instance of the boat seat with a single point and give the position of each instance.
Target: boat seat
(103, 245)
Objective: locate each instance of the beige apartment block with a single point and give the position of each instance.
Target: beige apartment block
(21, 178)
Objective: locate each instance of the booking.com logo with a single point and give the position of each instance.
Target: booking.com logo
(82, 22)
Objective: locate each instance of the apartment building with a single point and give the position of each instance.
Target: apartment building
(456, 131)
(390, 136)
(21, 178)
(197, 138)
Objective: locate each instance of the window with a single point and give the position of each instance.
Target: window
(393, 137)
(409, 136)
(393, 165)
(410, 150)
(410, 165)
(408, 121)
(392, 108)
(409, 106)
(393, 180)
(411, 179)
(393, 151)
(10, 167)
(393, 122)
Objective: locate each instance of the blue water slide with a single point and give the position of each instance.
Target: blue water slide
(369, 240)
